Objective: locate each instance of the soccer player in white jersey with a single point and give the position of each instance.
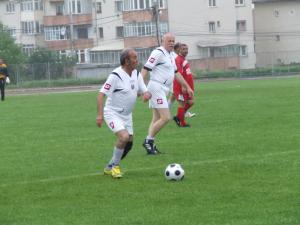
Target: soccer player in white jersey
(122, 87)
(162, 69)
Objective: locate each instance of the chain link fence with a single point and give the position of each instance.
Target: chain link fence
(47, 74)
(22, 73)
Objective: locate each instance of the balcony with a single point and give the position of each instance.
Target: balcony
(78, 19)
(66, 44)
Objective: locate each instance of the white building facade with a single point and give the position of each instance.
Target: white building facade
(219, 33)
(277, 32)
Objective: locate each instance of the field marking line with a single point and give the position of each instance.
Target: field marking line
(212, 161)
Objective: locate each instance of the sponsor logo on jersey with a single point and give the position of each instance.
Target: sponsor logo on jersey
(151, 60)
(112, 125)
(107, 86)
(159, 101)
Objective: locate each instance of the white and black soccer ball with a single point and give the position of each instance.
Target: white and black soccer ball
(174, 172)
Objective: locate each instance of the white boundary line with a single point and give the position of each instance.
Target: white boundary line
(48, 180)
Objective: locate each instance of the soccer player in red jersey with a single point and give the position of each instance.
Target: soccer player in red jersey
(184, 100)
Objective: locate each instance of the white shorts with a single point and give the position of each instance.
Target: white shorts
(159, 95)
(117, 122)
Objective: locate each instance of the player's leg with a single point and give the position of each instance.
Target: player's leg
(164, 117)
(122, 140)
(2, 86)
(149, 140)
(171, 100)
(160, 118)
(118, 125)
(190, 101)
(179, 118)
(128, 146)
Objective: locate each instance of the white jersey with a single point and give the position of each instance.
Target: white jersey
(162, 66)
(122, 89)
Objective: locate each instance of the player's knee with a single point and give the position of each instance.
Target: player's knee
(124, 137)
(166, 118)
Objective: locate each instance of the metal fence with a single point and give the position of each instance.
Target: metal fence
(20, 73)
(267, 64)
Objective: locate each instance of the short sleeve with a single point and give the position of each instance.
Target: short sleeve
(153, 59)
(109, 85)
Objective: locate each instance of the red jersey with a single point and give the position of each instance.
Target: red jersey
(183, 68)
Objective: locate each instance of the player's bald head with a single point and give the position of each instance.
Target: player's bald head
(168, 41)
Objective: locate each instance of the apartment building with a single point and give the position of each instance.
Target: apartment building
(277, 32)
(68, 27)
(219, 33)
(128, 23)
(62, 25)
(24, 22)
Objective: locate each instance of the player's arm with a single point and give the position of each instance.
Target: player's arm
(144, 73)
(106, 90)
(100, 103)
(184, 84)
(146, 95)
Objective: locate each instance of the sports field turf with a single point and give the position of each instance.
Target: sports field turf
(241, 157)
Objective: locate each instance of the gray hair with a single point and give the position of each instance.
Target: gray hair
(125, 55)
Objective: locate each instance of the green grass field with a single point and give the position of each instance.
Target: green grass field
(241, 157)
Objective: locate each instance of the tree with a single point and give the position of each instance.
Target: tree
(46, 62)
(9, 50)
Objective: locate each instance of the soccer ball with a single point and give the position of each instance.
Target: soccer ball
(174, 172)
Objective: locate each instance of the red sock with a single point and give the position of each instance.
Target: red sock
(180, 115)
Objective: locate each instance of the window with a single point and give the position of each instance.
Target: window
(12, 31)
(30, 5)
(10, 7)
(224, 51)
(277, 37)
(105, 57)
(28, 49)
(56, 33)
(75, 6)
(239, 2)
(118, 6)
(82, 33)
(142, 29)
(212, 3)
(241, 25)
(212, 27)
(30, 27)
(130, 5)
(81, 54)
(101, 35)
(276, 13)
(98, 7)
(243, 50)
(60, 9)
(38, 5)
(26, 5)
(120, 32)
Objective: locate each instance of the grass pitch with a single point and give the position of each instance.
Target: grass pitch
(241, 157)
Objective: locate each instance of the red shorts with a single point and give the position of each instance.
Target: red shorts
(177, 89)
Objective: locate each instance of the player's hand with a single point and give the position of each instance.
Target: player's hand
(184, 90)
(146, 96)
(185, 62)
(190, 92)
(7, 80)
(99, 120)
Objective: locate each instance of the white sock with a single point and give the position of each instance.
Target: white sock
(117, 155)
(149, 137)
